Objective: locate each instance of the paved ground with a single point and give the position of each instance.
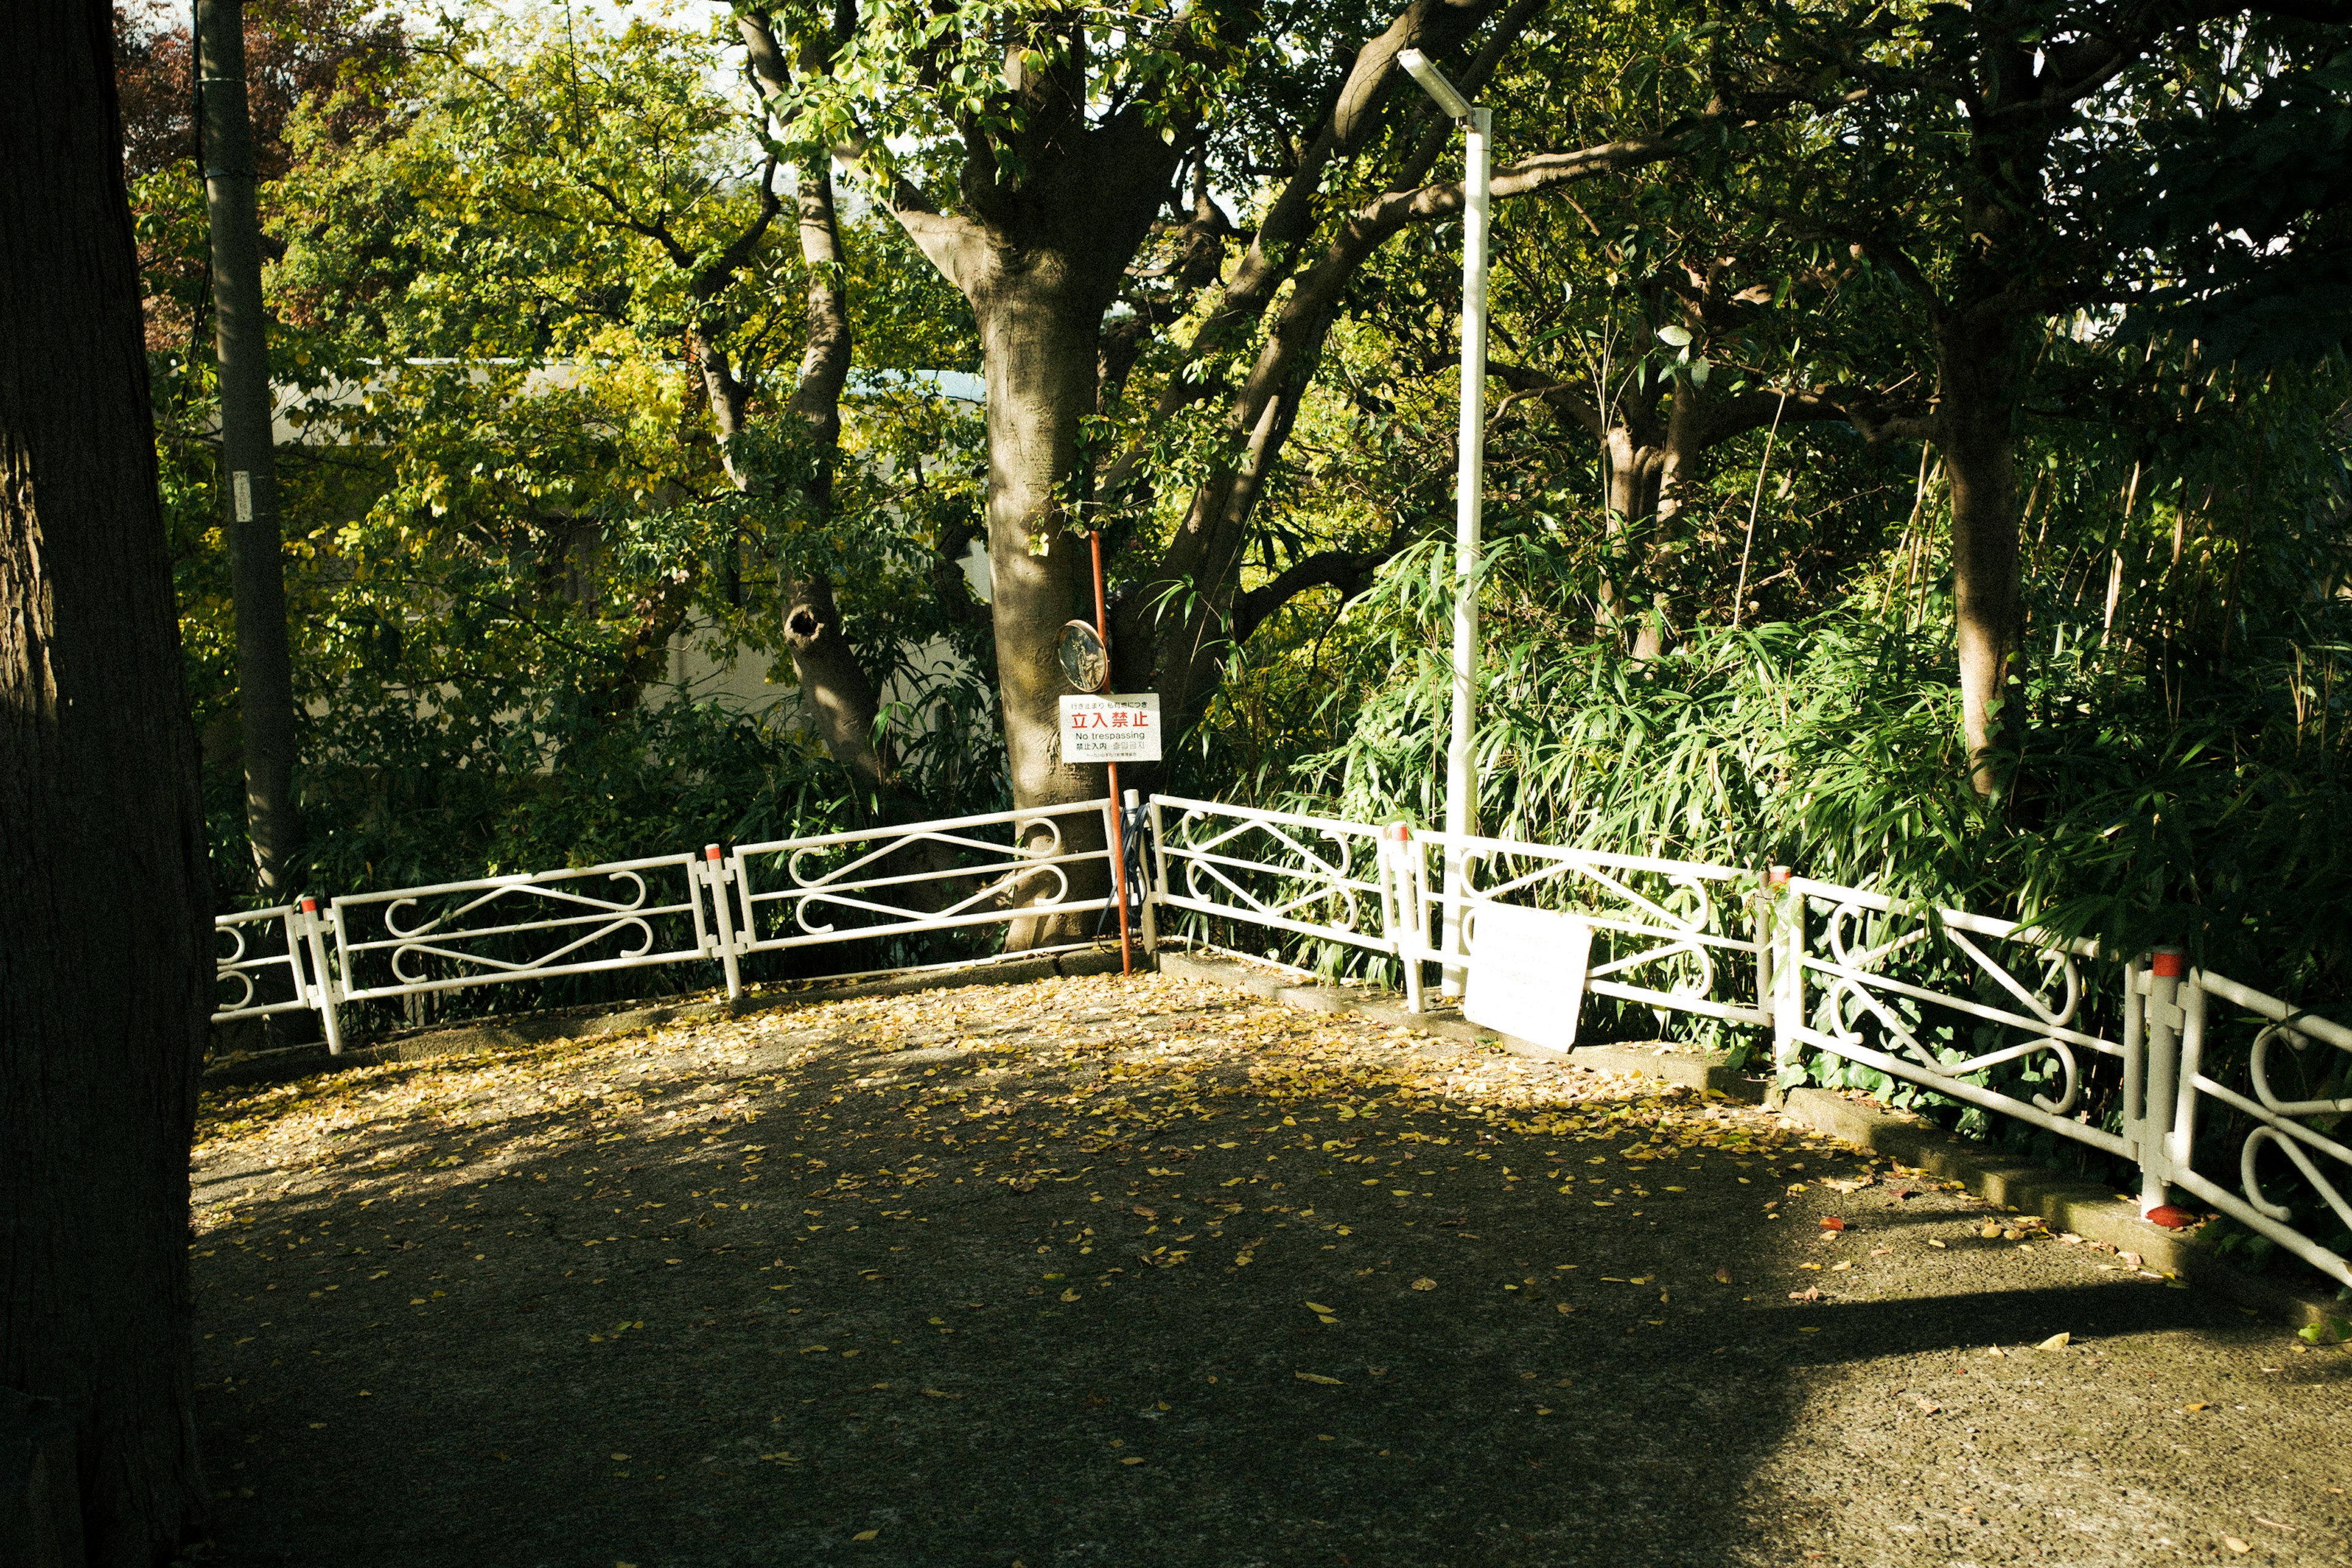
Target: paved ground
(1107, 1272)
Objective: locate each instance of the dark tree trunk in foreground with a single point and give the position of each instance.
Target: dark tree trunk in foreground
(105, 946)
(265, 672)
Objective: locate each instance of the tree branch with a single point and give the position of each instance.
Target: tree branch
(1350, 571)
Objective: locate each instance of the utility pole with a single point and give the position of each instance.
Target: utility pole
(265, 670)
(1470, 492)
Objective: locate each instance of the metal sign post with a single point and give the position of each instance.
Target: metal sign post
(1118, 827)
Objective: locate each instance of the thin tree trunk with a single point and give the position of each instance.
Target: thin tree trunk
(838, 694)
(1976, 422)
(265, 672)
(105, 945)
(1634, 465)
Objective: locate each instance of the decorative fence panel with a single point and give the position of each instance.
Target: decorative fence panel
(1309, 876)
(1680, 935)
(537, 925)
(951, 875)
(1869, 963)
(2301, 1132)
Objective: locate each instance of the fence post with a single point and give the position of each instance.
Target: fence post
(715, 875)
(1143, 888)
(2134, 1057)
(1788, 978)
(1158, 880)
(2160, 1020)
(324, 988)
(1400, 909)
(2182, 1150)
(1766, 936)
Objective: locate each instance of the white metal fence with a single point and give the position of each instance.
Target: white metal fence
(882, 884)
(1936, 997)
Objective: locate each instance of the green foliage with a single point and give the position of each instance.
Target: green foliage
(506, 508)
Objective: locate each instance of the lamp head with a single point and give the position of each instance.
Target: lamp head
(1433, 82)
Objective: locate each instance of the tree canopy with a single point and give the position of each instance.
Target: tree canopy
(1971, 378)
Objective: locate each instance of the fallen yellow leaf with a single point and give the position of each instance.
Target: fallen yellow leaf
(2234, 1545)
(1425, 1284)
(2056, 1341)
(865, 1535)
(1319, 1307)
(1317, 1377)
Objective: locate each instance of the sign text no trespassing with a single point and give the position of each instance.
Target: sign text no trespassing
(1117, 727)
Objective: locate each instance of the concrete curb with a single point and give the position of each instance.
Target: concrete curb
(510, 1032)
(2089, 1209)
(2092, 1210)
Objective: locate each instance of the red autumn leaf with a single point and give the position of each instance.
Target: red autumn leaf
(1831, 1222)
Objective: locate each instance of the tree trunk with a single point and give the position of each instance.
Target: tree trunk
(105, 943)
(265, 672)
(1038, 345)
(1634, 465)
(837, 696)
(836, 693)
(1975, 429)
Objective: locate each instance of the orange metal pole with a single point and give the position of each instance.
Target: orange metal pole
(1117, 804)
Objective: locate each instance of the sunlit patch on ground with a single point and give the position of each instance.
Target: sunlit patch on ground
(1124, 1271)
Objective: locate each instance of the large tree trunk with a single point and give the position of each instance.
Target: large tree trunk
(1038, 332)
(1975, 420)
(265, 670)
(105, 945)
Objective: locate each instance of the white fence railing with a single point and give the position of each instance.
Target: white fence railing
(924, 876)
(682, 908)
(1857, 993)
(1937, 997)
(1309, 876)
(1677, 934)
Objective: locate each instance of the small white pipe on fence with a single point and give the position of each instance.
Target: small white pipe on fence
(2161, 1017)
(2135, 1097)
(1789, 977)
(717, 874)
(2180, 1149)
(323, 978)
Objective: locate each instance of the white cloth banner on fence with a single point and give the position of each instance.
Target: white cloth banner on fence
(1528, 980)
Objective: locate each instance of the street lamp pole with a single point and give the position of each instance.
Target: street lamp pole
(1470, 499)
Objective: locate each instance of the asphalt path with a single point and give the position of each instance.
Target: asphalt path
(1110, 1272)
